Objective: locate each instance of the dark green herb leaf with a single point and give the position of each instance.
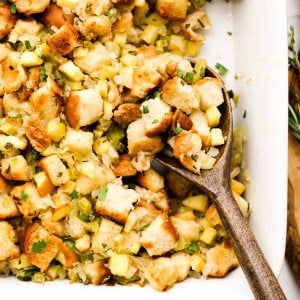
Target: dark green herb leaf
(39, 246)
(193, 247)
(8, 145)
(177, 129)
(155, 121)
(24, 196)
(27, 45)
(156, 94)
(74, 194)
(43, 74)
(145, 109)
(221, 69)
(102, 193)
(187, 76)
(83, 217)
(18, 116)
(293, 56)
(33, 156)
(13, 8)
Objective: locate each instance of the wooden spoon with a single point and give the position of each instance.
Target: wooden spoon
(216, 184)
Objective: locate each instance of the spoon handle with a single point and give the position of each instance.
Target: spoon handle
(260, 277)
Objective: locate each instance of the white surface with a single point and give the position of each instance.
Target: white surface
(256, 50)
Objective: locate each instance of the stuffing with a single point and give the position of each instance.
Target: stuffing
(78, 141)
(96, 26)
(56, 16)
(173, 10)
(43, 184)
(139, 142)
(122, 265)
(7, 20)
(127, 113)
(8, 207)
(96, 272)
(47, 101)
(209, 91)
(182, 96)
(187, 229)
(26, 30)
(181, 262)
(145, 79)
(182, 120)
(4, 186)
(13, 73)
(103, 176)
(156, 115)
(83, 108)
(40, 246)
(8, 238)
(219, 260)
(128, 242)
(124, 167)
(29, 202)
(67, 256)
(117, 202)
(35, 130)
(160, 236)
(151, 180)
(200, 123)
(74, 227)
(124, 22)
(15, 168)
(54, 227)
(195, 22)
(187, 148)
(103, 241)
(55, 169)
(161, 273)
(212, 215)
(64, 40)
(31, 7)
(11, 104)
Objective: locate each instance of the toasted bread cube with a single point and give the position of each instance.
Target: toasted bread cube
(8, 207)
(117, 203)
(151, 180)
(8, 20)
(96, 272)
(161, 273)
(72, 4)
(187, 229)
(55, 16)
(124, 167)
(127, 113)
(217, 137)
(55, 169)
(181, 262)
(67, 256)
(97, 26)
(40, 246)
(84, 108)
(181, 96)
(83, 244)
(15, 168)
(139, 142)
(4, 186)
(212, 215)
(121, 265)
(78, 141)
(209, 91)
(219, 260)
(200, 123)
(31, 7)
(8, 238)
(173, 10)
(35, 130)
(159, 237)
(64, 40)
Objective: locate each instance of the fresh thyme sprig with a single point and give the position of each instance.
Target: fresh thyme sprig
(294, 120)
(293, 55)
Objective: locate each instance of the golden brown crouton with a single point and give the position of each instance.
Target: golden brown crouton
(56, 16)
(67, 256)
(7, 20)
(160, 236)
(29, 202)
(124, 22)
(97, 26)
(124, 167)
(40, 246)
(187, 229)
(36, 132)
(64, 40)
(8, 239)
(182, 120)
(146, 52)
(127, 113)
(83, 108)
(181, 262)
(96, 272)
(174, 10)
(13, 73)
(151, 180)
(161, 273)
(55, 169)
(180, 95)
(117, 202)
(139, 142)
(219, 260)
(15, 168)
(145, 79)
(31, 7)
(4, 186)
(212, 215)
(8, 207)
(43, 184)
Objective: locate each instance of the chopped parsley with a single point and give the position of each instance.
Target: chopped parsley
(24, 196)
(27, 45)
(145, 109)
(187, 76)
(74, 194)
(177, 129)
(156, 94)
(84, 217)
(43, 74)
(104, 245)
(33, 155)
(13, 8)
(221, 69)
(193, 247)
(8, 145)
(102, 193)
(39, 246)
(18, 116)
(155, 121)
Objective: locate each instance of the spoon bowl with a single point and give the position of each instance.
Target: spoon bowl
(216, 184)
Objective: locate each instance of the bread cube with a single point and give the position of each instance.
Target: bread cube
(8, 207)
(8, 238)
(31, 7)
(173, 10)
(187, 229)
(15, 168)
(151, 180)
(96, 272)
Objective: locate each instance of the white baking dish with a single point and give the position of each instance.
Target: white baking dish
(256, 52)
